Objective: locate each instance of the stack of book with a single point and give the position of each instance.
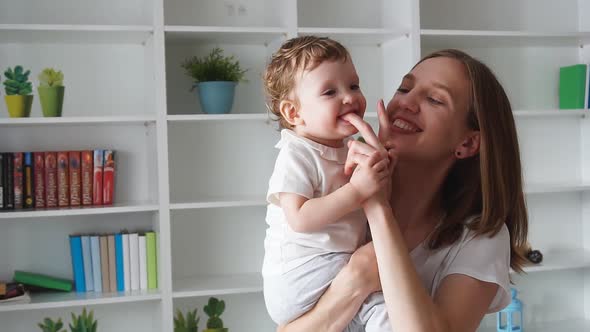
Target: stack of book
(114, 262)
(574, 86)
(56, 179)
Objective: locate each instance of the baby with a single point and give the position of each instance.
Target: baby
(314, 218)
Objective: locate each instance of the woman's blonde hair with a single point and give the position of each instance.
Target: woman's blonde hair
(490, 183)
(293, 57)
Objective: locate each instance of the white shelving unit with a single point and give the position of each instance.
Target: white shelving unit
(200, 180)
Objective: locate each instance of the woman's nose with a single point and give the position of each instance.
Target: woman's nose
(408, 102)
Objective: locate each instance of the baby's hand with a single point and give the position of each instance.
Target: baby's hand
(370, 175)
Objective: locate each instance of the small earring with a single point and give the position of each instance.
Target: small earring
(458, 153)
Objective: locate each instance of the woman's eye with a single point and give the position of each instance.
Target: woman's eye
(355, 87)
(435, 101)
(403, 90)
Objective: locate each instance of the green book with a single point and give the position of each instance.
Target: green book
(41, 280)
(152, 262)
(572, 86)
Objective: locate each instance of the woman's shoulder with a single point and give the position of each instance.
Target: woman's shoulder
(471, 237)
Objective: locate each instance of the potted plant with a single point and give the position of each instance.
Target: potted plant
(214, 309)
(49, 325)
(18, 92)
(84, 322)
(215, 77)
(51, 92)
(190, 324)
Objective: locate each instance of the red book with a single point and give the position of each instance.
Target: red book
(50, 179)
(87, 169)
(63, 194)
(75, 187)
(39, 173)
(18, 180)
(97, 180)
(108, 177)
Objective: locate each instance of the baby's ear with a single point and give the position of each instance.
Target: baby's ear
(290, 113)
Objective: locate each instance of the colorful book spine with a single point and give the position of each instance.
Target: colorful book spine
(9, 184)
(152, 267)
(104, 263)
(572, 86)
(108, 177)
(112, 263)
(63, 193)
(77, 263)
(143, 280)
(29, 198)
(87, 257)
(87, 170)
(97, 194)
(126, 261)
(95, 254)
(18, 180)
(41, 280)
(75, 178)
(39, 172)
(134, 260)
(119, 262)
(2, 181)
(51, 179)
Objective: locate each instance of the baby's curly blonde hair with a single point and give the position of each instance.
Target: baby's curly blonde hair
(296, 55)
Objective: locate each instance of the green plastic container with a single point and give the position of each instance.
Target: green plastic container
(52, 99)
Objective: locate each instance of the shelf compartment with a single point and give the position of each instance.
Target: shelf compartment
(61, 33)
(217, 285)
(555, 260)
(438, 38)
(225, 35)
(218, 117)
(73, 299)
(349, 36)
(75, 120)
(220, 203)
(119, 208)
(566, 325)
(548, 188)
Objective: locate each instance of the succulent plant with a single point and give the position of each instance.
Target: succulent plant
(190, 324)
(49, 325)
(214, 309)
(50, 77)
(17, 81)
(84, 322)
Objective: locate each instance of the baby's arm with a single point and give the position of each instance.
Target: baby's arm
(309, 215)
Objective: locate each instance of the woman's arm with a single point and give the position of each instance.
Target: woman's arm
(459, 303)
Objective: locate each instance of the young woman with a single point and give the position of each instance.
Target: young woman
(452, 222)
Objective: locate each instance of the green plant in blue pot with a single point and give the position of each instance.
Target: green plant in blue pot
(215, 76)
(51, 92)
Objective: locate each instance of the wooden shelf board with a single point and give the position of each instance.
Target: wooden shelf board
(107, 120)
(222, 34)
(78, 211)
(84, 34)
(217, 285)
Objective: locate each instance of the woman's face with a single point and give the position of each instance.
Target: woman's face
(428, 112)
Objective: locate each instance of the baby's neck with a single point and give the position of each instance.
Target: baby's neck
(333, 143)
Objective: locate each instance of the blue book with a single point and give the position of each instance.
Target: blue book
(88, 279)
(119, 262)
(96, 270)
(77, 263)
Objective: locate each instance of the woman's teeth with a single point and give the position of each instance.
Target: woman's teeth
(399, 123)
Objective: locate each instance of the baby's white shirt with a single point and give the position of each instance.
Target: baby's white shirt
(312, 170)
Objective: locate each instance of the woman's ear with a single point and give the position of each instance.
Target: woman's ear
(469, 146)
(290, 113)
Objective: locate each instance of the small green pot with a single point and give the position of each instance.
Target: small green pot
(52, 99)
(225, 329)
(19, 106)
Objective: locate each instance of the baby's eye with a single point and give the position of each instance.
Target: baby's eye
(329, 92)
(355, 87)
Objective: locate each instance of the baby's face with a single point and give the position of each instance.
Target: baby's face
(324, 95)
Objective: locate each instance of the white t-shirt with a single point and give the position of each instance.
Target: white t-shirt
(312, 170)
(483, 258)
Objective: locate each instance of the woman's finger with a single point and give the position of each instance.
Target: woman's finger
(381, 165)
(356, 147)
(364, 129)
(384, 123)
(353, 160)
